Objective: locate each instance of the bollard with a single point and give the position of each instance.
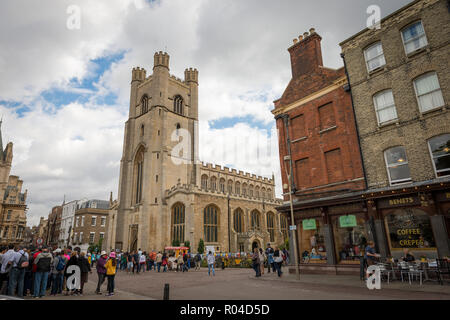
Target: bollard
(166, 292)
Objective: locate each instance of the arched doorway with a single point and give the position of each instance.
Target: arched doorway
(255, 244)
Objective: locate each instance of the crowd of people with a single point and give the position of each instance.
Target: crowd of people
(272, 258)
(36, 271)
(39, 271)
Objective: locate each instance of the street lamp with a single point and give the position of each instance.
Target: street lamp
(293, 227)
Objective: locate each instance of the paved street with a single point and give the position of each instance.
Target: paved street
(240, 284)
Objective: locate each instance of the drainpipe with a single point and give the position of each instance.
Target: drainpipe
(356, 122)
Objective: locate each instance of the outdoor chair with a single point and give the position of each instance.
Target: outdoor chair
(443, 267)
(385, 270)
(413, 270)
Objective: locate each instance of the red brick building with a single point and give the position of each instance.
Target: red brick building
(316, 126)
(324, 141)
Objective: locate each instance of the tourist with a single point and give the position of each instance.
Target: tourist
(33, 267)
(59, 264)
(285, 256)
(27, 283)
(180, 261)
(73, 261)
(164, 262)
(142, 259)
(101, 271)
(136, 261)
(185, 262)
(43, 264)
(130, 262)
(256, 262)
(17, 273)
(262, 260)
(110, 267)
(278, 260)
(198, 261)
(123, 261)
(269, 255)
(85, 269)
(152, 260)
(7, 264)
(159, 260)
(211, 260)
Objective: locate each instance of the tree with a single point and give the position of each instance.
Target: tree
(96, 247)
(187, 243)
(176, 243)
(286, 244)
(201, 246)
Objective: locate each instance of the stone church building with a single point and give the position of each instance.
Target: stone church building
(167, 194)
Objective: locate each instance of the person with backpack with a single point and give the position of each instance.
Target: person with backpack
(198, 261)
(43, 264)
(17, 275)
(278, 260)
(59, 265)
(110, 267)
(7, 264)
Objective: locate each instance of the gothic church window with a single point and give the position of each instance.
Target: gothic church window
(144, 103)
(284, 226)
(178, 218)
(213, 183)
(237, 188)
(210, 223)
(178, 105)
(138, 181)
(230, 186)
(222, 185)
(205, 182)
(255, 219)
(271, 226)
(238, 220)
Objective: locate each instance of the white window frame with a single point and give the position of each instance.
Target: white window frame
(91, 235)
(432, 158)
(93, 218)
(401, 181)
(77, 221)
(403, 39)
(82, 221)
(102, 235)
(380, 55)
(75, 237)
(417, 94)
(81, 237)
(103, 219)
(378, 110)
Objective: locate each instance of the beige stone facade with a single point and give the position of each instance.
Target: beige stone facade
(166, 193)
(412, 128)
(13, 206)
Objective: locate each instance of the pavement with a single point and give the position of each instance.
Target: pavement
(241, 284)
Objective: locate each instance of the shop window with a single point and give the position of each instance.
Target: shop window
(409, 228)
(374, 57)
(428, 92)
(385, 106)
(334, 166)
(414, 37)
(312, 241)
(397, 165)
(350, 236)
(440, 153)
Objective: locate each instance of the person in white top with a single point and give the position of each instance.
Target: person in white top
(211, 260)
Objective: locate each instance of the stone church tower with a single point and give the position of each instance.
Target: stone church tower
(166, 195)
(161, 106)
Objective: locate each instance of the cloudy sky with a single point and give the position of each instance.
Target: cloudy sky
(64, 91)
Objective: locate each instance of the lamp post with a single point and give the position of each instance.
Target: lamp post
(294, 237)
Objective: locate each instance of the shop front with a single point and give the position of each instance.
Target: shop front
(407, 221)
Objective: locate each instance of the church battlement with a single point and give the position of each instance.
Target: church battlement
(138, 74)
(161, 59)
(191, 75)
(234, 172)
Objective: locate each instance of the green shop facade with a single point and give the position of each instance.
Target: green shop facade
(332, 232)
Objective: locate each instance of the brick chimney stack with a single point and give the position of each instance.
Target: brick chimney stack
(306, 54)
